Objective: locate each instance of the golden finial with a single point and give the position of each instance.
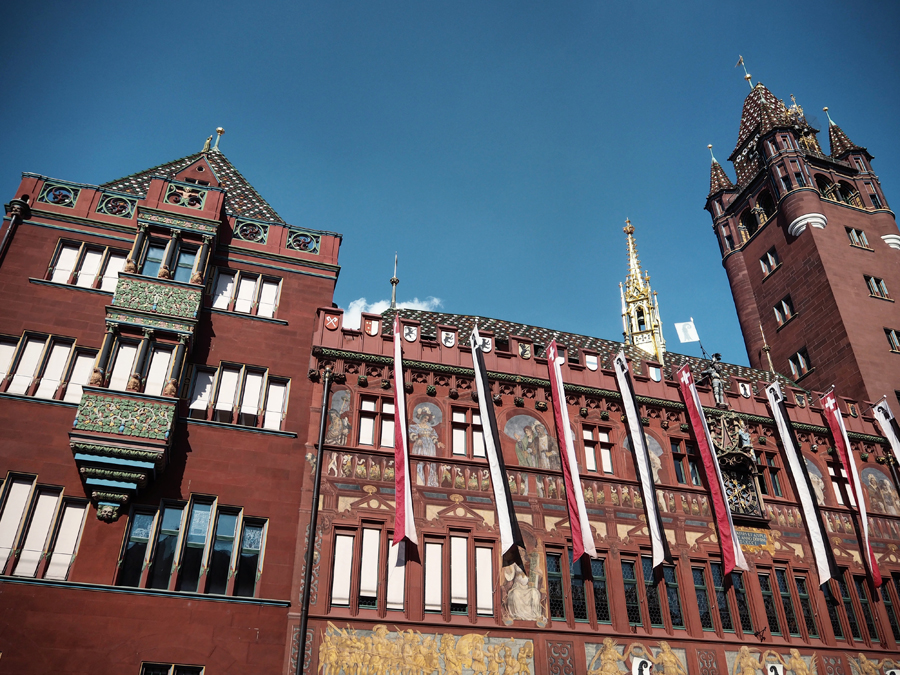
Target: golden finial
(709, 147)
(629, 228)
(825, 110)
(219, 132)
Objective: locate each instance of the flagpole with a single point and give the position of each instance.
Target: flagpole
(313, 522)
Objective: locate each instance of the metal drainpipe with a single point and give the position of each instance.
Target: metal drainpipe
(18, 210)
(313, 521)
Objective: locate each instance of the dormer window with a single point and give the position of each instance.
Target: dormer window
(196, 182)
(859, 165)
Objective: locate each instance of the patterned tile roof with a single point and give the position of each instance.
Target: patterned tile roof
(718, 179)
(762, 112)
(840, 144)
(542, 336)
(242, 199)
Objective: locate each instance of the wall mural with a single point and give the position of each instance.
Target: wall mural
(656, 453)
(524, 597)
(346, 651)
(535, 447)
(882, 493)
(609, 658)
(818, 483)
(338, 418)
(749, 661)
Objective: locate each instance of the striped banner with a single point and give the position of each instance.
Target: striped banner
(732, 555)
(510, 536)
(886, 421)
(812, 517)
(404, 524)
(835, 422)
(582, 537)
(641, 451)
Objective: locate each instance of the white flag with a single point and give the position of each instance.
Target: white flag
(687, 332)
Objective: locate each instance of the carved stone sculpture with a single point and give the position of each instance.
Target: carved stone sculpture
(716, 375)
(130, 266)
(134, 382)
(96, 378)
(171, 388)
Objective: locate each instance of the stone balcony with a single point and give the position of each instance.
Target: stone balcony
(155, 303)
(120, 441)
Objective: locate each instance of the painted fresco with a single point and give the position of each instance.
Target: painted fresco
(862, 665)
(882, 493)
(339, 415)
(750, 661)
(524, 597)
(818, 483)
(656, 453)
(422, 436)
(535, 446)
(346, 651)
(609, 658)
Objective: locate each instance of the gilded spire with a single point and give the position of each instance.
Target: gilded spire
(718, 179)
(640, 308)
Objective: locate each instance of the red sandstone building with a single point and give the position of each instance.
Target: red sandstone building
(164, 349)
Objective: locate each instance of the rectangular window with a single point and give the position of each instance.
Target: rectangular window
(123, 364)
(841, 484)
(369, 572)
(787, 603)
(158, 372)
(768, 473)
(376, 414)
(800, 364)
(484, 581)
(434, 561)
(459, 444)
(768, 596)
(862, 593)
(597, 450)
(276, 397)
(833, 605)
(706, 618)
(850, 613)
(673, 599)
(684, 457)
(79, 375)
(579, 596)
(857, 238)
(555, 586)
(25, 369)
(782, 176)
(246, 293)
(798, 174)
(722, 607)
(18, 494)
(54, 368)
(249, 565)
(258, 399)
(784, 310)
(632, 601)
(769, 261)
(873, 196)
(459, 577)
(194, 552)
(893, 338)
(86, 266)
(250, 398)
(67, 537)
(136, 548)
(38, 532)
(184, 264)
(221, 554)
(806, 608)
(877, 287)
(163, 561)
(153, 260)
(201, 393)
(466, 434)
(171, 669)
(601, 596)
(396, 583)
(343, 562)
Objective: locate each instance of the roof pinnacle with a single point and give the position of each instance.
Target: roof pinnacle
(219, 132)
(394, 282)
(830, 121)
(746, 74)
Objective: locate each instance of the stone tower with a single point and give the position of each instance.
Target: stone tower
(640, 308)
(811, 250)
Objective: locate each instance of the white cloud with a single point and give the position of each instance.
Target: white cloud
(352, 315)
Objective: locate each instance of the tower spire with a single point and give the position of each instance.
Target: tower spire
(394, 282)
(640, 306)
(840, 143)
(718, 179)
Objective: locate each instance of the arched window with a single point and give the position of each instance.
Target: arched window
(748, 220)
(641, 321)
(766, 203)
(826, 187)
(847, 194)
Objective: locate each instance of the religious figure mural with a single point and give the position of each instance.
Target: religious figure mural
(423, 438)
(347, 651)
(656, 453)
(818, 484)
(882, 493)
(535, 447)
(523, 595)
(338, 418)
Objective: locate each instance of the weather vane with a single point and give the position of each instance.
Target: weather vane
(746, 74)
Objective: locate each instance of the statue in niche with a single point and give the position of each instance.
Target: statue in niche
(716, 375)
(734, 451)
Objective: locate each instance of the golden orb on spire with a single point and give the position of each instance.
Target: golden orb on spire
(629, 228)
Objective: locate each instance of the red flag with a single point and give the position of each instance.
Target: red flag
(732, 555)
(404, 524)
(835, 421)
(582, 537)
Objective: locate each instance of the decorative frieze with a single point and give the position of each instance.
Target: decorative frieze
(60, 194)
(145, 321)
(188, 196)
(112, 204)
(301, 240)
(247, 230)
(157, 296)
(154, 217)
(115, 414)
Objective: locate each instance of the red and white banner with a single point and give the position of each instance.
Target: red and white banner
(732, 555)
(404, 524)
(582, 538)
(835, 421)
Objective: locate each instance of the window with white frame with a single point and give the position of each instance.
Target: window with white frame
(800, 364)
(893, 337)
(376, 421)
(45, 366)
(357, 579)
(198, 547)
(784, 310)
(469, 585)
(597, 449)
(238, 394)
(87, 265)
(877, 287)
(769, 261)
(154, 372)
(468, 435)
(182, 258)
(857, 238)
(39, 529)
(246, 293)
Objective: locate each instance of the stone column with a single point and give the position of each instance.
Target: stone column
(135, 254)
(98, 377)
(135, 382)
(165, 269)
(199, 276)
(171, 388)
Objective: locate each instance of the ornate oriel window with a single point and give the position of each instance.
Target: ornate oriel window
(734, 451)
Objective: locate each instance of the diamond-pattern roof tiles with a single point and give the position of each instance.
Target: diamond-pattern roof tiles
(762, 112)
(242, 199)
(718, 179)
(840, 143)
(607, 349)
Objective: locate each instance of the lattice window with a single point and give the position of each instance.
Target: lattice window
(724, 611)
(579, 596)
(768, 597)
(555, 586)
(706, 618)
(632, 602)
(866, 607)
(787, 602)
(889, 597)
(850, 613)
(806, 609)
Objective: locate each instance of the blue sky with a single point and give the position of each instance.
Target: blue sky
(496, 146)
